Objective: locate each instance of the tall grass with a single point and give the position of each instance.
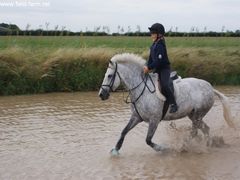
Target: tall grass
(62, 70)
(218, 66)
(75, 70)
(50, 65)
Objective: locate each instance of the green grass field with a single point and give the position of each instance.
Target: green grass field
(122, 42)
(49, 64)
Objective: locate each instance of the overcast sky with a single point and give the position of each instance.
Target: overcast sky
(78, 15)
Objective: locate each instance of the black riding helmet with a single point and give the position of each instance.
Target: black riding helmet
(157, 28)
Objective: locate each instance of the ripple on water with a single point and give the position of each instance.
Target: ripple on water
(70, 135)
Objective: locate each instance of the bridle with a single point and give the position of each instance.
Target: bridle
(110, 85)
(144, 80)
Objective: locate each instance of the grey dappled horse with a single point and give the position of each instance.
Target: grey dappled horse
(195, 97)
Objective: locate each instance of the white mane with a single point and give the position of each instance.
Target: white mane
(128, 58)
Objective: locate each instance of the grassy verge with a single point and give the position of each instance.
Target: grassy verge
(62, 70)
(49, 64)
(218, 66)
(122, 42)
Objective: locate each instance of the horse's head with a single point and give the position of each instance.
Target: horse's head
(111, 81)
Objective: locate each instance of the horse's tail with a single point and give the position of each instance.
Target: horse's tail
(226, 108)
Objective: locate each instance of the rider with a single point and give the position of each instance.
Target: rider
(158, 60)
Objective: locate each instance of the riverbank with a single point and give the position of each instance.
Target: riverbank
(39, 68)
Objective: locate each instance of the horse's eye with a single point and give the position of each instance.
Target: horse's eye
(110, 76)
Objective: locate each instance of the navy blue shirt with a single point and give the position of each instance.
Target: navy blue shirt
(158, 58)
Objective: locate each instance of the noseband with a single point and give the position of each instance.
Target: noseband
(110, 85)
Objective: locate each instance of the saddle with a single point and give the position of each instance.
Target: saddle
(173, 76)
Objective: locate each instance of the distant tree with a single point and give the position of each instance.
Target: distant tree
(97, 28)
(27, 29)
(47, 25)
(129, 29)
(237, 33)
(68, 32)
(138, 28)
(4, 25)
(176, 29)
(43, 30)
(14, 27)
(223, 30)
(170, 31)
(197, 31)
(40, 32)
(122, 30)
(106, 29)
(205, 29)
(56, 30)
(228, 33)
(119, 28)
(62, 30)
(192, 29)
(10, 26)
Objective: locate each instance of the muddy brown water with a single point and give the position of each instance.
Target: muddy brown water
(69, 136)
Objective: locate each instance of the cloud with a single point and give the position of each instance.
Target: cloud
(77, 15)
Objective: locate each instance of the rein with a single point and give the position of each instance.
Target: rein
(144, 80)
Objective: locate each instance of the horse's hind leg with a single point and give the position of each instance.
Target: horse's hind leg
(198, 123)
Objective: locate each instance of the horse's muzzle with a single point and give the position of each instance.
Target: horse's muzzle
(104, 95)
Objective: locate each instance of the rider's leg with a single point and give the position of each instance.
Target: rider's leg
(164, 77)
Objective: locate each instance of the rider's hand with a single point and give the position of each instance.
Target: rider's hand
(145, 69)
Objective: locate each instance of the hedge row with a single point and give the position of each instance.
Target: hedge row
(83, 69)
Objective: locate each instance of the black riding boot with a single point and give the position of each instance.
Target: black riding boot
(171, 99)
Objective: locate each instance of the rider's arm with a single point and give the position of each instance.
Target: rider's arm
(149, 60)
(157, 56)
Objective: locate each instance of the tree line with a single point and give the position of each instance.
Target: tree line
(14, 30)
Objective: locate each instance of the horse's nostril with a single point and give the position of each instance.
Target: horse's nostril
(100, 95)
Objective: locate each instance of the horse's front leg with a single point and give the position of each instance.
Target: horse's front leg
(131, 124)
(151, 131)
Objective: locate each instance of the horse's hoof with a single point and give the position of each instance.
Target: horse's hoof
(217, 142)
(114, 152)
(161, 148)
